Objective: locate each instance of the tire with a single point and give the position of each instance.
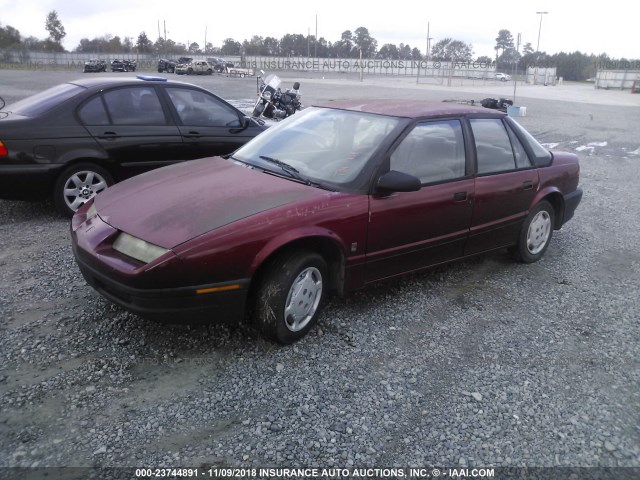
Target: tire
(209, 72)
(190, 71)
(535, 234)
(78, 184)
(503, 79)
(242, 75)
(291, 295)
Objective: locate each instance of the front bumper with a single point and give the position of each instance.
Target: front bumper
(571, 201)
(219, 303)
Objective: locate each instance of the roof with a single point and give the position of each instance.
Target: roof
(409, 108)
(91, 81)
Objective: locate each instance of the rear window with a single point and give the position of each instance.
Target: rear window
(44, 101)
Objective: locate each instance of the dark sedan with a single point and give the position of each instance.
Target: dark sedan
(329, 199)
(77, 138)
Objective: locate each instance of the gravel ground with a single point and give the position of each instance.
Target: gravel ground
(480, 363)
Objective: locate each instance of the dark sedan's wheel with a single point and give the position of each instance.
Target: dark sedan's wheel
(535, 235)
(291, 296)
(78, 184)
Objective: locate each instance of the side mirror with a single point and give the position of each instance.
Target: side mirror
(394, 181)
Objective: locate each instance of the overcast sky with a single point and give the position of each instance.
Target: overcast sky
(609, 26)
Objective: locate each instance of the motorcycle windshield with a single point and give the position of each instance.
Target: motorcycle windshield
(273, 81)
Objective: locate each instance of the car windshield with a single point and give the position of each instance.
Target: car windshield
(44, 101)
(321, 145)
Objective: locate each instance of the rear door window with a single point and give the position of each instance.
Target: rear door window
(93, 112)
(493, 147)
(135, 106)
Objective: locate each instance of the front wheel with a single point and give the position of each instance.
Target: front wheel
(77, 185)
(535, 234)
(291, 295)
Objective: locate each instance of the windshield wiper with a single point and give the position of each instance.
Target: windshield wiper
(291, 170)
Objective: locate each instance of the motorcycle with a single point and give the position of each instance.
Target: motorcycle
(274, 103)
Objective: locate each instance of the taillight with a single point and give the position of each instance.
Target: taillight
(3, 150)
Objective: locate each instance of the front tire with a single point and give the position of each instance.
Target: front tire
(291, 296)
(77, 185)
(535, 234)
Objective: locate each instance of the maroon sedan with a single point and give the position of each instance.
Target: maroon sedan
(332, 199)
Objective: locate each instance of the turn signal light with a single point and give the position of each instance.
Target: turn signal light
(3, 150)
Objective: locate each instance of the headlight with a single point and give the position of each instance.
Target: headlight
(137, 248)
(267, 95)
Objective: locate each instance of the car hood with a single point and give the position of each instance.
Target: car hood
(172, 205)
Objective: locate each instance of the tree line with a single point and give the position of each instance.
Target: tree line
(351, 44)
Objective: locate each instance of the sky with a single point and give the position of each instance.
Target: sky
(603, 27)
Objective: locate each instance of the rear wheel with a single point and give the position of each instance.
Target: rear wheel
(536, 234)
(77, 185)
(291, 295)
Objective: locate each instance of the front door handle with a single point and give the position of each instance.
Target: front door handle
(460, 196)
(192, 134)
(527, 185)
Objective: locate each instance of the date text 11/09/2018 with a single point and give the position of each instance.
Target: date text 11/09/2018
(315, 472)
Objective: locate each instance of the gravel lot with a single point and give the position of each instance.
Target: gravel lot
(480, 363)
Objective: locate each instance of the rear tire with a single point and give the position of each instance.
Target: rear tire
(77, 185)
(290, 296)
(535, 234)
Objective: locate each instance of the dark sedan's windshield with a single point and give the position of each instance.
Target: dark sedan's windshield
(45, 101)
(323, 145)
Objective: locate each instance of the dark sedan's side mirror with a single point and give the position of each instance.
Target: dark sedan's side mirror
(395, 181)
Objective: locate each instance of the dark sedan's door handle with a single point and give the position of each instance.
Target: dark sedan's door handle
(109, 136)
(528, 185)
(460, 196)
(192, 134)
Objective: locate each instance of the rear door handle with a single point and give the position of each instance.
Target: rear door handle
(460, 196)
(192, 134)
(527, 185)
(109, 136)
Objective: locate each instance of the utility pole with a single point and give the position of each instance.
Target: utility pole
(419, 62)
(515, 80)
(540, 29)
(315, 43)
(535, 78)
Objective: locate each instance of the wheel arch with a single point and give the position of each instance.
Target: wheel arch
(327, 247)
(556, 199)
